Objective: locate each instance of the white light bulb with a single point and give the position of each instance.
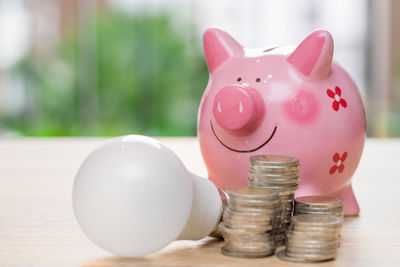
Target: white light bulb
(132, 196)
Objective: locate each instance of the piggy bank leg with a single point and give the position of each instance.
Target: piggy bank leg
(351, 207)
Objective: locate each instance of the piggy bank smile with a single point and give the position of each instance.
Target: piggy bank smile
(244, 151)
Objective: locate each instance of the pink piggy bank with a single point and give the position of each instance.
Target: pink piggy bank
(289, 101)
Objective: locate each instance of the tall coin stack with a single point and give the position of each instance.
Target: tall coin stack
(279, 174)
(248, 222)
(312, 238)
(319, 205)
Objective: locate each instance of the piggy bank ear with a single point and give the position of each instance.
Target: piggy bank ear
(313, 57)
(219, 46)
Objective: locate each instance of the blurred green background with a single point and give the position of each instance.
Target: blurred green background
(115, 67)
(116, 74)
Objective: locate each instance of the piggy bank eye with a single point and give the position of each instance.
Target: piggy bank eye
(258, 80)
(239, 79)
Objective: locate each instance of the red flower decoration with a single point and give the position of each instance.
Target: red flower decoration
(338, 163)
(337, 99)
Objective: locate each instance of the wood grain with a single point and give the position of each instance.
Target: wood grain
(37, 226)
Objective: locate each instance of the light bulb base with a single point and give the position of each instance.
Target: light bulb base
(206, 210)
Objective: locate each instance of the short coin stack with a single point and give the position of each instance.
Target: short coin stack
(319, 205)
(312, 238)
(279, 174)
(248, 222)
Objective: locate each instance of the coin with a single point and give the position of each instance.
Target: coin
(311, 256)
(243, 230)
(247, 254)
(273, 160)
(251, 215)
(253, 193)
(315, 220)
(319, 201)
(255, 206)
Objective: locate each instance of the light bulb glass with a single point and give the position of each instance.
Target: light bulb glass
(132, 196)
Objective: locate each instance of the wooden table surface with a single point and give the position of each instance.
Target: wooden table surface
(37, 225)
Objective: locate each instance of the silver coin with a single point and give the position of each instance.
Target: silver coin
(321, 209)
(249, 227)
(257, 166)
(273, 168)
(312, 236)
(263, 214)
(282, 255)
(322, 245)
(259, 221)
(273, 160)
(315, 220)
(310, 233)
(337, 214)
(255, 201)
(275, 177)
(319, 201)
(249, 244)
(287, 185)
(316, 228)
(313, 230)
(303, 244)
(296, 213)
(244, 231)
(273, 186)
(312, 257)
(247, 254)
(250, 216)
(269, 238)
(243, 234)
(281, 190)
(255, 208)
(310, 252)
(251, 193)
(279, 186)
(238, 222)
(265, 174)
(324, 232)
(243, 248)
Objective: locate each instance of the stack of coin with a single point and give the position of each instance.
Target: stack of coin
(248, 222)
(312, 238)
(279, 174)
(319, 205)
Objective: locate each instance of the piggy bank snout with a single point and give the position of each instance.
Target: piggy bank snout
(238, 109)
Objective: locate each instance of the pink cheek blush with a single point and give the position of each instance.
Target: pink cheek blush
(302, 107)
